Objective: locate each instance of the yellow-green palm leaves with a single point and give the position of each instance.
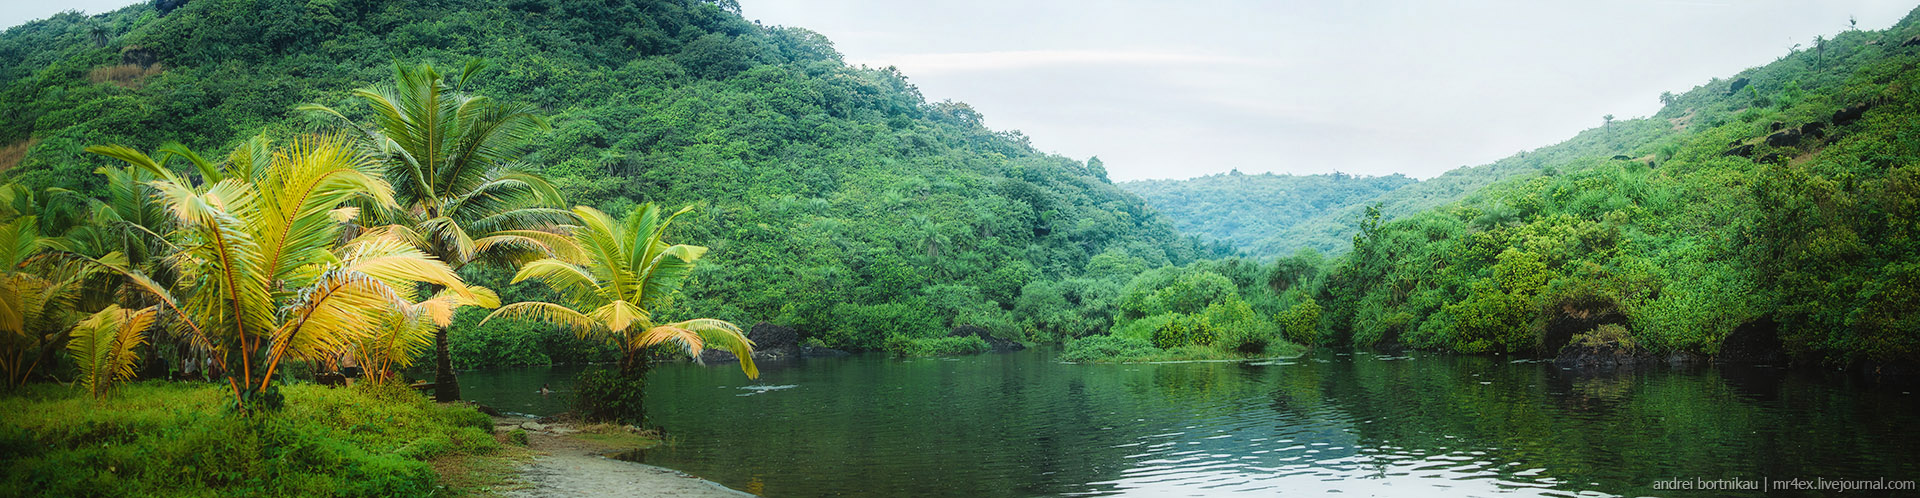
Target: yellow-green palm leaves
(103, 346)
(630, 271)
(452, 160)
(262, 273)
(37, 294)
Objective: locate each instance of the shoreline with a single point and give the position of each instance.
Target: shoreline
(571, 461)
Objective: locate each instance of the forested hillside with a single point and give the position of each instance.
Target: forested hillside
(835, 198)
(1248, 211)
(1772, 212)
(1270, 216)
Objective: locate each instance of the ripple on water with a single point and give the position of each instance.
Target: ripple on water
(752, 390)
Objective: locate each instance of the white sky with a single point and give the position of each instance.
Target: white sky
(1179, 89)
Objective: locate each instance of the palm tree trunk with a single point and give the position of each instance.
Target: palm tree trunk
(445, 387)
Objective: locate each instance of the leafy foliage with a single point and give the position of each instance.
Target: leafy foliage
(1791, 200)
(1247, 211)
(630, 272)
(103, 346)
(262, 275)
(178, 439)
(826, 183)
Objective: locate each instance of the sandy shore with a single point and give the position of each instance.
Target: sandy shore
(565, 464)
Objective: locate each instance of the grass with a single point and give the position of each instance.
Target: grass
(181, 439)
(617, 437)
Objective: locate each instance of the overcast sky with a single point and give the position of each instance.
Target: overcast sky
(1180, 89)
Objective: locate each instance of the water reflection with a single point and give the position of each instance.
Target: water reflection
(1388, 425)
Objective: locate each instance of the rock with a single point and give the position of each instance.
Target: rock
(1741, 151)
(1911, 41)
(1621, 158)
(138, 56)
(1776, 126)
(486, 410)
(1576, 317)
(1771, 157)
(770, 343)
(1850, 113)
(1757, 341)
(1784, 138)
(1733, 88)
(1604, 347)
(999, 345)
(1815, 129)
(533, 426)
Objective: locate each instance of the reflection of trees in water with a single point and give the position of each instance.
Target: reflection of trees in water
(1016, 425)
(1623, 429)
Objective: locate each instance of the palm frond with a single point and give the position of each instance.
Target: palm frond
(104, 346)
(702, 333)
(551, 313)
(570, 280)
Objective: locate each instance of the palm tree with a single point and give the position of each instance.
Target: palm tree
(35, 305)
(262, 273)
(39, 290)
(451, 158)
(631, 272)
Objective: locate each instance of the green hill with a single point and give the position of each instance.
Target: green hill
(1247, 211)
(1774, 212)
(836, 199)
(1268, 216)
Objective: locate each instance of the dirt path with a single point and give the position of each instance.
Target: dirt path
(570, 466)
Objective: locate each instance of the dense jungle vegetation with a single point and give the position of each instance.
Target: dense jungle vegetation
(1778, 204)
(356, 204)
(1248, 211)
(838, 201)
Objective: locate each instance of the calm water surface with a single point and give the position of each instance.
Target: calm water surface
(1022, 424)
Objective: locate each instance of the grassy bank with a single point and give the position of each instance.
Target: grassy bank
(179, 439)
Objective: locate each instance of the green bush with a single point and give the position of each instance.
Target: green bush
(1183, 330)
(605, 395)
(1301, 323)
(517, 436)
(1105, 348)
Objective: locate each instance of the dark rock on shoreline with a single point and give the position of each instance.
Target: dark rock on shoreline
(772, 343)
(999, 345)
(1611, 346)
(1575, 318)
(1753, 342)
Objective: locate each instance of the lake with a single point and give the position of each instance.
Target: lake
(1360, 424)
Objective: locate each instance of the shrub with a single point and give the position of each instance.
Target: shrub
(1183, 330)
(1103, 348)
(608, 396)
(1301, 323)
(517, 436)
(938, 346)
